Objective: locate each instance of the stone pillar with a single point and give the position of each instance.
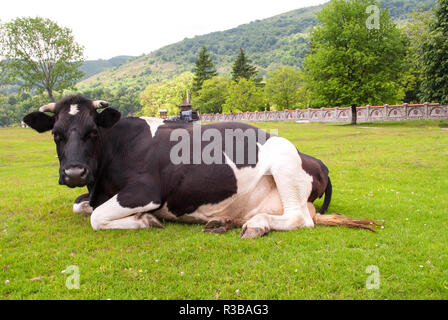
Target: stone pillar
(426, 111)
(368, 113)
(404, 111)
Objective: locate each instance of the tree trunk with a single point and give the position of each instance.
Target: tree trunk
(354, 115)
(50, 94)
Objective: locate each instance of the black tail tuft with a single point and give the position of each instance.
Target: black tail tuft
(328, 192)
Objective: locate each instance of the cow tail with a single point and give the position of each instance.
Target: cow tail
(338, 219)
(328, 192)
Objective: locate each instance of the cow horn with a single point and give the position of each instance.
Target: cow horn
(99, 104)
(48, 107)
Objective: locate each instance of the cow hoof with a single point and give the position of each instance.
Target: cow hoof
(215, 226)
(151, 221)
(251, 233)
(83, 207)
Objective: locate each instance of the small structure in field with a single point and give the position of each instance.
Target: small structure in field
(163, 113)
(186, 105)
(186, 111)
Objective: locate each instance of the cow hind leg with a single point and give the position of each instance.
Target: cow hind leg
(294, 186)
(222, 225)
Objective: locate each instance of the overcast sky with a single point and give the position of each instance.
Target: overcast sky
(107, 28)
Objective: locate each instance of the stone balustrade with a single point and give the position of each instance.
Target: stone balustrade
(405, 111)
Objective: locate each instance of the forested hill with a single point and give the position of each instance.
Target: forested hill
(282, 39)
(91, 67)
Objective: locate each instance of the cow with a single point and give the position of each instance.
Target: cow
(139, 171)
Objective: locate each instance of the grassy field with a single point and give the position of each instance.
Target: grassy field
(397, 172)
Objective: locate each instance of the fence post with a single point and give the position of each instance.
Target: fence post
(426, 111)
(368, 113)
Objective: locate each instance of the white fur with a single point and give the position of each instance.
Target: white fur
(111, 215)
(74, 109)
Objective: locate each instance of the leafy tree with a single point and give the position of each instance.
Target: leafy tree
(40, 54)
(125, 99)
(435, 57)
(416, 29)
(244, 95)
(204, 69)
(167, 95)
(242, 69)
(352, 64)
(213, 95)
(283, 87)
(14, 108)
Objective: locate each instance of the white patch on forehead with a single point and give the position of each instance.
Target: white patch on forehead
(73, 109)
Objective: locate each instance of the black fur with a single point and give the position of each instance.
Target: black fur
(321, 181)
(39, 121)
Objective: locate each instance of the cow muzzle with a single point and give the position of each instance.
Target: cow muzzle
(75, 176)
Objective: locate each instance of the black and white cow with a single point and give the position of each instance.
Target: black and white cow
(127, 165)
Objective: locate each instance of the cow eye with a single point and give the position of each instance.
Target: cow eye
(92, 135)
(58, 137)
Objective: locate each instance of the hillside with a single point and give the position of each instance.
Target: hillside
(91, 67)
(282, 39)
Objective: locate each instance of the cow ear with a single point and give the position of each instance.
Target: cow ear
(108, 117)
(39, 121)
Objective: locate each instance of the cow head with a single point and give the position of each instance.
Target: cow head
(76, 126)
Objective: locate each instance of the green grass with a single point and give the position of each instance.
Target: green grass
(397, 172)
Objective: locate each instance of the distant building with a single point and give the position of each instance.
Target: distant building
(186, 105)
(163, 113)
(186, 111)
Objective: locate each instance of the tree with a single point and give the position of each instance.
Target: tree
(283, 87)
(40, 55)
(416, 29)
(353, 61)
(167, 95)
(204, 69)
(213, 95)
(242, 69)
(435, 57)
(244, 95)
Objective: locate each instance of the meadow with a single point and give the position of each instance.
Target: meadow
(393, 172)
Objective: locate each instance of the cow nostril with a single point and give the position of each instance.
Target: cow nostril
(84, 174)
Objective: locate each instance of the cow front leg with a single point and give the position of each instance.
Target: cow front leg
(82, 204)
(114, 214)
